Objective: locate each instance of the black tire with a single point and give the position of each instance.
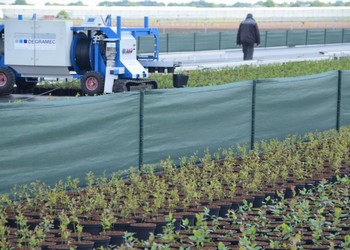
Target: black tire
(26, 83)
(7, 81)
(92, 83)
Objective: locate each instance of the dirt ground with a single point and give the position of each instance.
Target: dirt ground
(173, 26)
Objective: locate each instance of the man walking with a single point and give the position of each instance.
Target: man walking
(248, 34)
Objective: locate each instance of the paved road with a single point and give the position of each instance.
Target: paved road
(234, 57)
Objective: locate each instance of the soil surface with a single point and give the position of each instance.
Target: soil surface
(173, 26)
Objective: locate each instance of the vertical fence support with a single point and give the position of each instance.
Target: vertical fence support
(194, 41)
(167, 43)
(252, 135)
(338, 99)
(307, 36)
(142, 98)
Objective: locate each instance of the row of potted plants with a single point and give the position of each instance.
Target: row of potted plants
(316, 218)
(38, 215)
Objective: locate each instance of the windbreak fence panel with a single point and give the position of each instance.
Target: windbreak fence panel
(334, 36)
(199, 41)
(276, 38)
(207, 41)
(296, 37)
(295, 105)
(345, 98)
(228, 40)
(346, 36)
(51, 140)
(181, 122)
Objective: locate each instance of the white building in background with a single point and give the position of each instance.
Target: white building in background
(177, 13)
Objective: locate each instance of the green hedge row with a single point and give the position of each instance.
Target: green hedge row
(209, 77)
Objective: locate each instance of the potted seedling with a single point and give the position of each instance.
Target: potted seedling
(200, 231)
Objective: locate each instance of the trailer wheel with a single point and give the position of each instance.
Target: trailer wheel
(92, 83)
(26, 83)
(7, 81)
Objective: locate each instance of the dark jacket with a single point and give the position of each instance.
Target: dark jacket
(248, 32)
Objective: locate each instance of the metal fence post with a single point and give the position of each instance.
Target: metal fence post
(252, 135)
(194, 41)
(307, 36)
(141, 116)
(339, 99)
(167, 43)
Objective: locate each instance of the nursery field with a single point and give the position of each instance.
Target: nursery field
(173, 26)
(290, 194)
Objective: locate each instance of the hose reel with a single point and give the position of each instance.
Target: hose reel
(81, 53)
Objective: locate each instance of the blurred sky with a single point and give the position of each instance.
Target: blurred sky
(95, 2)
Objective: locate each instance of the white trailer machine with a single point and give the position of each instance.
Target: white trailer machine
(103, 57)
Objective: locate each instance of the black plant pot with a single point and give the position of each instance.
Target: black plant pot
(117, 238)
(142, 230)
(179, 80)
(84, 245)
(100, 241)
(258, 201)
(92, 227)
(122, 225)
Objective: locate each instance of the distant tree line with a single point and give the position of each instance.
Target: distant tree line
(203, 4)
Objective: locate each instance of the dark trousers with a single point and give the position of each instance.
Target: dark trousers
(248, 50)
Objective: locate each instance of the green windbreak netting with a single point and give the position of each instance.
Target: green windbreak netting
(334, 36)
(296, 37)
(295, 105)
(345, 98)
(315, 36)
(179, 122)
(163, 46)
(207, 41)
(180, 42)
(50, 140)
(146, 44)
(346, 36)
(228, 40)
(276, 38)
(177, 42)
(263, 38)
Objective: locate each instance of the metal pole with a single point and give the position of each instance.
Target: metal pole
(338, 100)
(142, 97)
(252, 140)
(145, 22)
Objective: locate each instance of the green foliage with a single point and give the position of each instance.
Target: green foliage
(206, 4)
(78, 3)
(20, 2)
(63, 14)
